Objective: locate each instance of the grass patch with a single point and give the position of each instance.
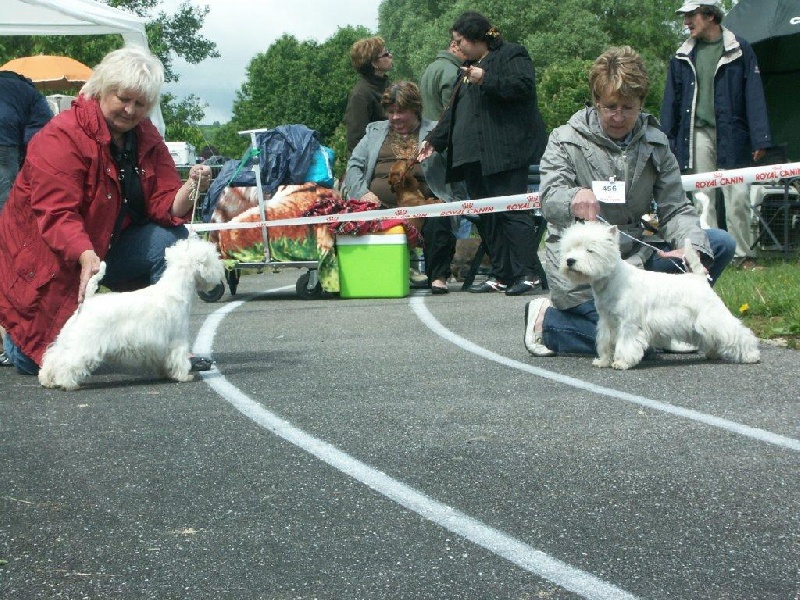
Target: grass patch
(767, 300)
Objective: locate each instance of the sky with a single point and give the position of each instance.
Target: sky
(243, 28)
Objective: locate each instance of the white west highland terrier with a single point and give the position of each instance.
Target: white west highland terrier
(144, 328)
(639, 309)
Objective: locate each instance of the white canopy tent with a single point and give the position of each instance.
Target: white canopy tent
(74, 17)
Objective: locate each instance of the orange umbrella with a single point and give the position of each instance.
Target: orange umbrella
(50, 72)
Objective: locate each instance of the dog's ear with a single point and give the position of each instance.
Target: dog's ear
(613, 232)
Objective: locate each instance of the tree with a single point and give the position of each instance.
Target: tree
(564, 36)
(168, 36)
(295, 82)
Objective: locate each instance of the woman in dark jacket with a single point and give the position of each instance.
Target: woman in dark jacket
(493, 132)
(372, 61)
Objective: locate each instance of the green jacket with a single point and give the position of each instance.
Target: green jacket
(436, 84)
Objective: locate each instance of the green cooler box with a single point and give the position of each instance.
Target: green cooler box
(374, 265)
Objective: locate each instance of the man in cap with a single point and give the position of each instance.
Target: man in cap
(715, 115)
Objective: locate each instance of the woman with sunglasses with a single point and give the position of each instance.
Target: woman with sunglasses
(372, 61)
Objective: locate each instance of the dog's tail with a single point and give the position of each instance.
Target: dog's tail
(692, 259)
(94, 281)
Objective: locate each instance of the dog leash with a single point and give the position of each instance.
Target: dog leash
(643, 243)
(194, 194)
(408, 168)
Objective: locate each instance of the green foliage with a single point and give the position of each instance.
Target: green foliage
(299, 82)
(168, 36)
(562, 90)
(308, 82)
(766, 300)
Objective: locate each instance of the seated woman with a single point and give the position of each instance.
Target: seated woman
(612, 140)
(399, 138)
(98, 184)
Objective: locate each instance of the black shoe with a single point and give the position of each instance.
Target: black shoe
(201, 363)
(490, 285)
(5, 361)
(523, 286)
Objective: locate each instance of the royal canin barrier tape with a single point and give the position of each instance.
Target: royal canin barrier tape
(531, 201)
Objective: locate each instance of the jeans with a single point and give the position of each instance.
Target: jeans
(136, 257)
(9, 167)
(574, 330)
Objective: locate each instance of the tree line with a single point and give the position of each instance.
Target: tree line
(308, 82)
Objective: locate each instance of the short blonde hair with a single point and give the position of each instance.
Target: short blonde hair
(130, 69)
(364, 52)
(619, 71)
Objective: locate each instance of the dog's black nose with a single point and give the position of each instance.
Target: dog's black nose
(570, 262)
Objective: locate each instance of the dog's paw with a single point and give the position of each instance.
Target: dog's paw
(621, 365)
(601, 362)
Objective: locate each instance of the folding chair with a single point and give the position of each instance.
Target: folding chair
(777, 205)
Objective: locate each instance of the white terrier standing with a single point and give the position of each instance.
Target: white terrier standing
(639, 308)
(144, 328)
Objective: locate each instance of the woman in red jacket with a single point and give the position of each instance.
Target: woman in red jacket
(98, 183)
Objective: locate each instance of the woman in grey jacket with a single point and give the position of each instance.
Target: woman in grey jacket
(612, 141)
(384, 143)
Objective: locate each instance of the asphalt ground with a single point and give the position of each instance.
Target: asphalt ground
(401, 448)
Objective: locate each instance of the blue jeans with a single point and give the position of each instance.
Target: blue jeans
(9, 167)
(574, 331)
(137, 258)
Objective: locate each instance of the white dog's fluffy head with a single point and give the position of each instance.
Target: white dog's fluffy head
(589, 251)
(197, 256)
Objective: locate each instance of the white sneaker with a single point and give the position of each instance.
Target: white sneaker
(533, 339)
(417, 277)
(676, 347)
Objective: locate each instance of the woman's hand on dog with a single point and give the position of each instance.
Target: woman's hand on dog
(90, 265)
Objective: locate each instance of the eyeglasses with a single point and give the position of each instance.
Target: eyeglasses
(610, 111)
(385, 54)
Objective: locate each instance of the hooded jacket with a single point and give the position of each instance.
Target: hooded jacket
(740, 108)
(65, 201)
(579, 153)
(437, 83)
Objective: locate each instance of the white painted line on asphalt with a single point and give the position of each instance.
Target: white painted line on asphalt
(424, 315)
(534, 561)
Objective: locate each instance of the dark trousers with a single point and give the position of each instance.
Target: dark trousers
(439, 248)
(508, 235)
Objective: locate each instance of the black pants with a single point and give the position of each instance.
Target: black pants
(508, 235)
(439, 247)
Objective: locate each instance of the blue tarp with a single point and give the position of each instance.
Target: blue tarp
(284, 153)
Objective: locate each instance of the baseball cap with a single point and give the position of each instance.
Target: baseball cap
(692, 6)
